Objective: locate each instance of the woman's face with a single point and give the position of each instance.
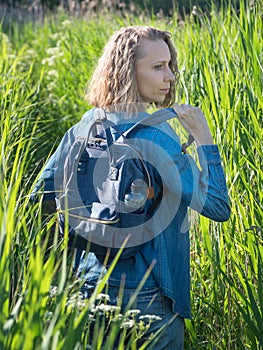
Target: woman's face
(153, 74)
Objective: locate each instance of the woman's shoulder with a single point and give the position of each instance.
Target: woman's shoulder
(81, 127)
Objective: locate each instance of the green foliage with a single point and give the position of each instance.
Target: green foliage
(151, 6)
(43, 74)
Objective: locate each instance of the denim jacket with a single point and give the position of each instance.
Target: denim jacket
(185, 186)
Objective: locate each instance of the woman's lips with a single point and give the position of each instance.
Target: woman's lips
(165, 91)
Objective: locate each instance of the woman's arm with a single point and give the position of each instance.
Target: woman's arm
(202, 190)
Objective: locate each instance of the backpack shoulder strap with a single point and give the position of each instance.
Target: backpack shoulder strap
(155, 118)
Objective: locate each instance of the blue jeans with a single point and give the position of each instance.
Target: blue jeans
(152, 302)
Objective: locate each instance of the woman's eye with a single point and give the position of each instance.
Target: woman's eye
(158, 67)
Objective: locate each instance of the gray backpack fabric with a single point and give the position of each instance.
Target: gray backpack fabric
(107, 188)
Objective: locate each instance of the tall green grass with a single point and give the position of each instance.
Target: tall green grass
(44, 70)
(223, 74)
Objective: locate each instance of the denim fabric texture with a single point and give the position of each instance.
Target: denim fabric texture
(152, 303)
(185, 184)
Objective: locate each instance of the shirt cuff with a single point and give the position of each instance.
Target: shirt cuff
(208, 154)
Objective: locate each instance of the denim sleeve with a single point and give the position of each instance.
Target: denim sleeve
(202, 190)
(216, 204)
(46, 182)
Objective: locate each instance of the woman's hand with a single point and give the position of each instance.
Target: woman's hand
(194, 122)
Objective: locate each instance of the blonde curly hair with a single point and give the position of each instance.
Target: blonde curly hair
(114, 80)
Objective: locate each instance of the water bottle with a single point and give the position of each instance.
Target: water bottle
(137, 197)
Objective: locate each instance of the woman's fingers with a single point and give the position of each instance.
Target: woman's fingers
(194, 121)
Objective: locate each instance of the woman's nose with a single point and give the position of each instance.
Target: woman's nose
(169, 76)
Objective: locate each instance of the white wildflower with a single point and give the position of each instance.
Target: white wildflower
(53, 51)
(48, 315)
(6, 38)
(81, 304)
(150, 317)
(52, 73)
(7, 42)
(118, 317)
(105, 308)
(49, 61)
(53, 291)
(103, 296)
(66, 23)
(54, 36)
(128, 324)
(132, 312)
(11, 56)
(61, 41)
(31, 53)
(51, 86)
(91, 318)
(76, 300)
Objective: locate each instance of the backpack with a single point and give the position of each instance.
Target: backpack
(107, 193)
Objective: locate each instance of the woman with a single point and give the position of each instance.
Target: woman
(138, 69)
